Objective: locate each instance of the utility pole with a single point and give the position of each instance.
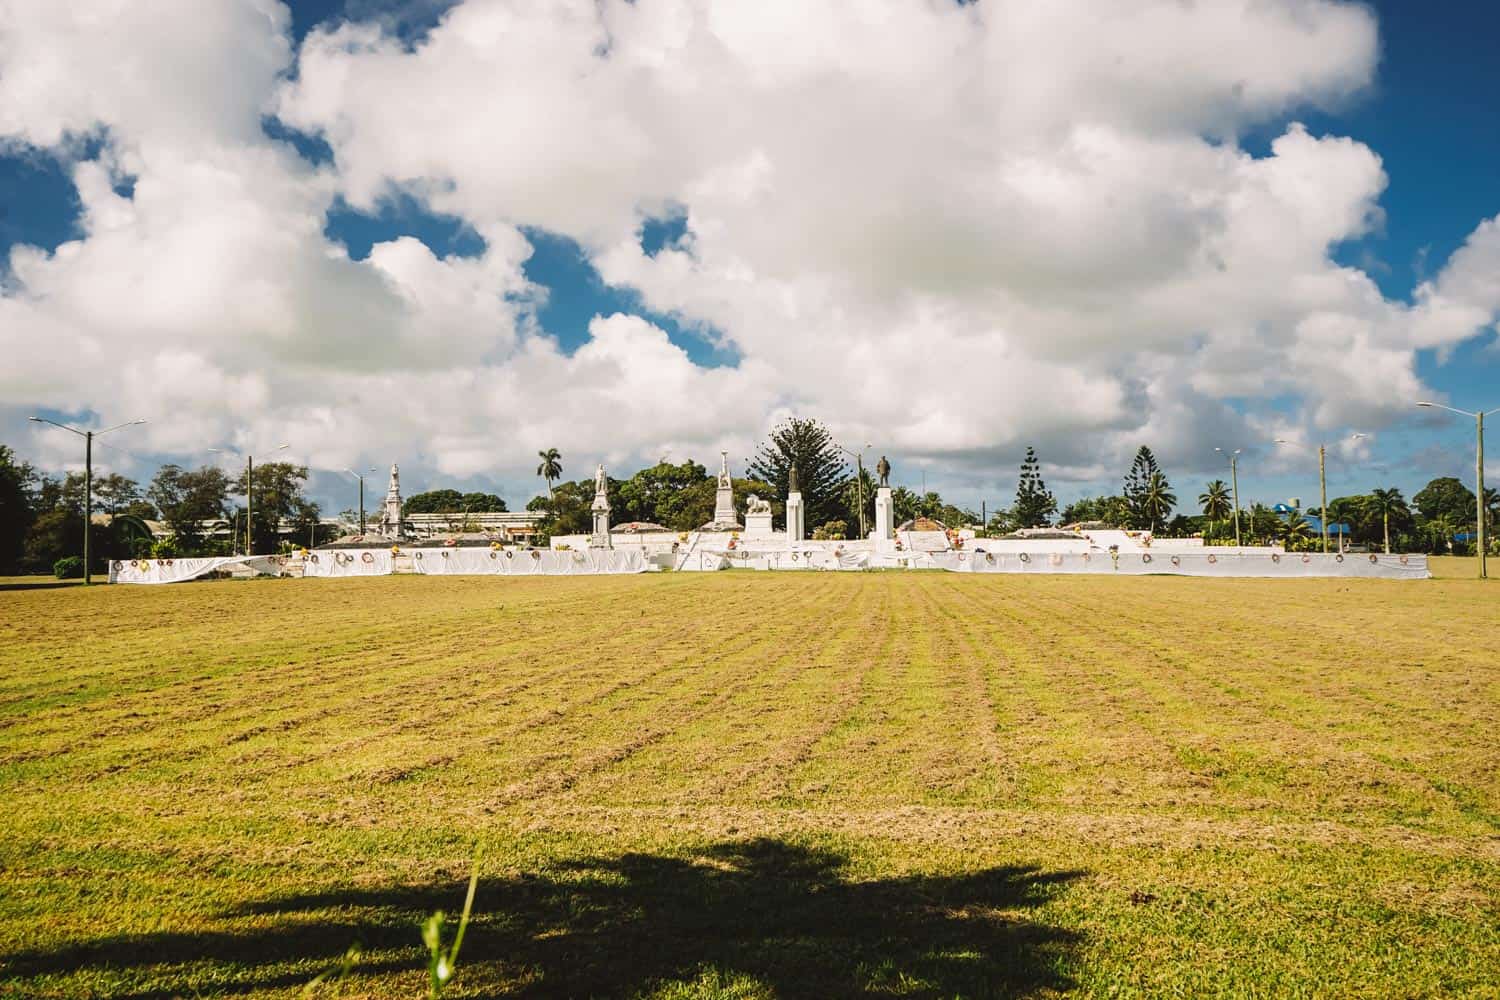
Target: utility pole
(361, 478)
(249, 506)
(88, 485)
(1323, 487)
(859, 461)
(859, 488)
(88, 504)
(1479, 479)
(1478, 476)
(1323, 490)
(1234, 478)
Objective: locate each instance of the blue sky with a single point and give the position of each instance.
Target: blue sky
(1433, 116)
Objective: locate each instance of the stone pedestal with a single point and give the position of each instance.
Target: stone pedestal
(600, 537)
(758, 525)
(885, 515)
(796, 530)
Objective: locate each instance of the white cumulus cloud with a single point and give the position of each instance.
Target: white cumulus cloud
(948, 229)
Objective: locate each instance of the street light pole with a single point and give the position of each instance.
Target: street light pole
(1478, 474)
(859, 488)
(360, 476)
(88, 484)
(249, 501)
(1234, 478)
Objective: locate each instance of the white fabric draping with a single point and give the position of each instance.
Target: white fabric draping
(803, 558)
(536, 562)
(348, 562)
(181, 570)
(1183, 563)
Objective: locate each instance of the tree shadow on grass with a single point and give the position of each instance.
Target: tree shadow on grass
(39, 583)
(752, 918)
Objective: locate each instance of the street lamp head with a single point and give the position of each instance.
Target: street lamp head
(1425, 403)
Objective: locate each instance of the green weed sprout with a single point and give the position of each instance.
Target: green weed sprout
(442, 966)
(335, 972)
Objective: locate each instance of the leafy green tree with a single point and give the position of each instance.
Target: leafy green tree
(567, 507)
(1446, 497)
(1035, 505)
(115, 493)
(1440, 531)
(452, 502)
(550, 468)
(433, 502)
(1000, 523)
(16, 509)
(1262, 524)
(663, 493)
(1110, 510)
(186, 499)
(1216, 501)
(279, 497)
(821, 471)
(54, 534)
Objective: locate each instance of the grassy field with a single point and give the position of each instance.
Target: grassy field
(746, 785)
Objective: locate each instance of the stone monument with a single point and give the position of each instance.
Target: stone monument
(725, 519)
(390, 511)
(796, 530)
(758, 518)
(600, 509)
(885, 505)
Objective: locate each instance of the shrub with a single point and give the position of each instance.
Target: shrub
(68, 568)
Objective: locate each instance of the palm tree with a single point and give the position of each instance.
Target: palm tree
(1384, 503)
(1157, 499)
(1215, 500)
(1295, 531)
(551, 467)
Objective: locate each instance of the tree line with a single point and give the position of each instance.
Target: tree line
(41, 516)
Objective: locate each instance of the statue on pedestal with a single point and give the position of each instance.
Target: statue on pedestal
(884, 469)
(600, 510)
(725, 519)
(390, 512)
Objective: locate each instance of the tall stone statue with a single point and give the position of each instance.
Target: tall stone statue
(884, 468)
(791, 480)
(600, 538)
(724, 482)
(390, 512)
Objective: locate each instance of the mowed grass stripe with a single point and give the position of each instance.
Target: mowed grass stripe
(1273, 741)
(917, 726)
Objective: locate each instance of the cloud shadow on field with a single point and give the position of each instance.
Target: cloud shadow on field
(748, 918)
